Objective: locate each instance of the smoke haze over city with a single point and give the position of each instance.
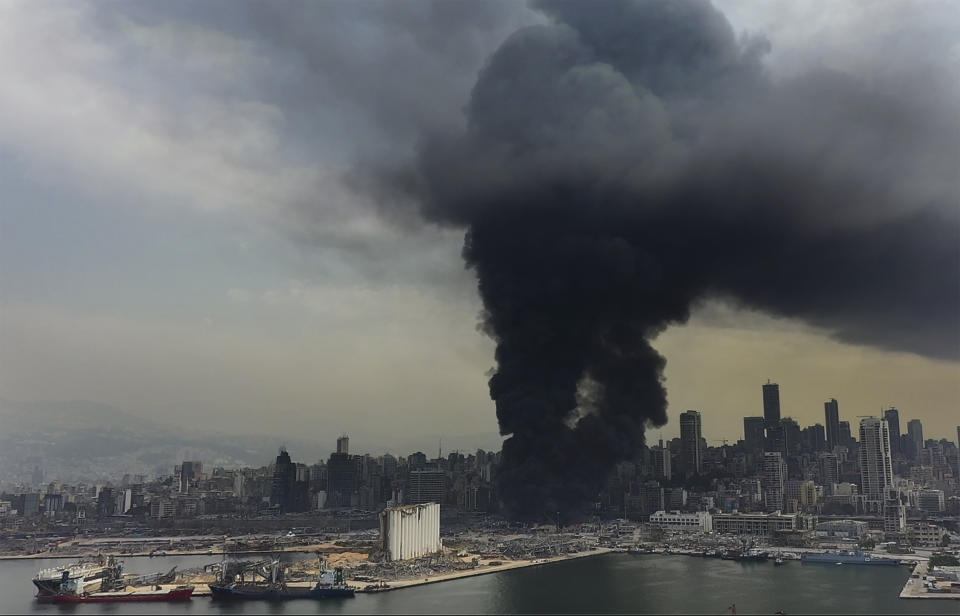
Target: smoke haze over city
(265, 225)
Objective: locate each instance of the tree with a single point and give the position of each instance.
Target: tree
(943, 560)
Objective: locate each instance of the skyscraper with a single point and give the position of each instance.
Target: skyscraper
(814, 437)
(829, 471)
(832, 416)
(189, 471)
(777, 438)
(282, 487)
(845, 435)
(791, 432)
(892, 416)
(343, 444)
(774, 479)
(426, 486)
(915, 434)
(876, 466)
(661, 461)
(771, 402)
(753, 432)
(690, 446)
(342, 479)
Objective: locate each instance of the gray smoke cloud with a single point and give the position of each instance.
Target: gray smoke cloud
(632, 158)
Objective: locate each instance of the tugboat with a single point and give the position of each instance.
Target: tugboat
(331, 584)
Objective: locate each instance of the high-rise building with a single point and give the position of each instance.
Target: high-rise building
(771, 402)
(815, 438)
(188, 473)
(915, 434)
(690, 443)
(845, 435)
(791, 433)
(753, 432)
(892, 416)
(661, 461)
(282, 486)
(894, 511)
(426, 486)
(876, 465)
(343, 444)
(829, 471)
(930, 501)
(651, 497)
(777, 438)
(774, 480)
(831, 412)
(342, 479)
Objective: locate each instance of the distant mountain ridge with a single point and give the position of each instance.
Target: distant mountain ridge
(89, 441)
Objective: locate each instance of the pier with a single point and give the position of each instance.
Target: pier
(914, 587)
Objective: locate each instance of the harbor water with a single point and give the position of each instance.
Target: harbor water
(610, 583)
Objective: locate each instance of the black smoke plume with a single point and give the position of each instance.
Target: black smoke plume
(630, 159)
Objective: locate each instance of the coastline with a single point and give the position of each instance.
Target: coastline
(483, 570)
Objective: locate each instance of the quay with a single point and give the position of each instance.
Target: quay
(914, 587)
(202, 590)
(481, 570)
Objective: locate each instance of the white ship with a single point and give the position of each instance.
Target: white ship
(87, 573)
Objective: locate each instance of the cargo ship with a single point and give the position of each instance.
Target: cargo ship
(88, 573)
(330, 585)
(848, 558)
(180, 593)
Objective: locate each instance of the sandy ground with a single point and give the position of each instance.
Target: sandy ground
(483, 569)
(335, 560)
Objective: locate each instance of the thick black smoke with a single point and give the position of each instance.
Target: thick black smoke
(632, 158)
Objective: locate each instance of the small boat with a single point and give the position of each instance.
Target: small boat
(779, 561)
(180, 593)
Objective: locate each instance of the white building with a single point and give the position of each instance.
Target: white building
(754, 524)
(774, 478)
(410, 531)
(697, 522)
(876, 467)
(850, 529)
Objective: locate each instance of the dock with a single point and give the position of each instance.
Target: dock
(202, 590)
(914, 587)
(481, 570)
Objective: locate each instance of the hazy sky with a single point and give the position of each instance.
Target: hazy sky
(179, 236)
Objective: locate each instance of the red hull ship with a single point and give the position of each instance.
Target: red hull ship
(182, 593)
